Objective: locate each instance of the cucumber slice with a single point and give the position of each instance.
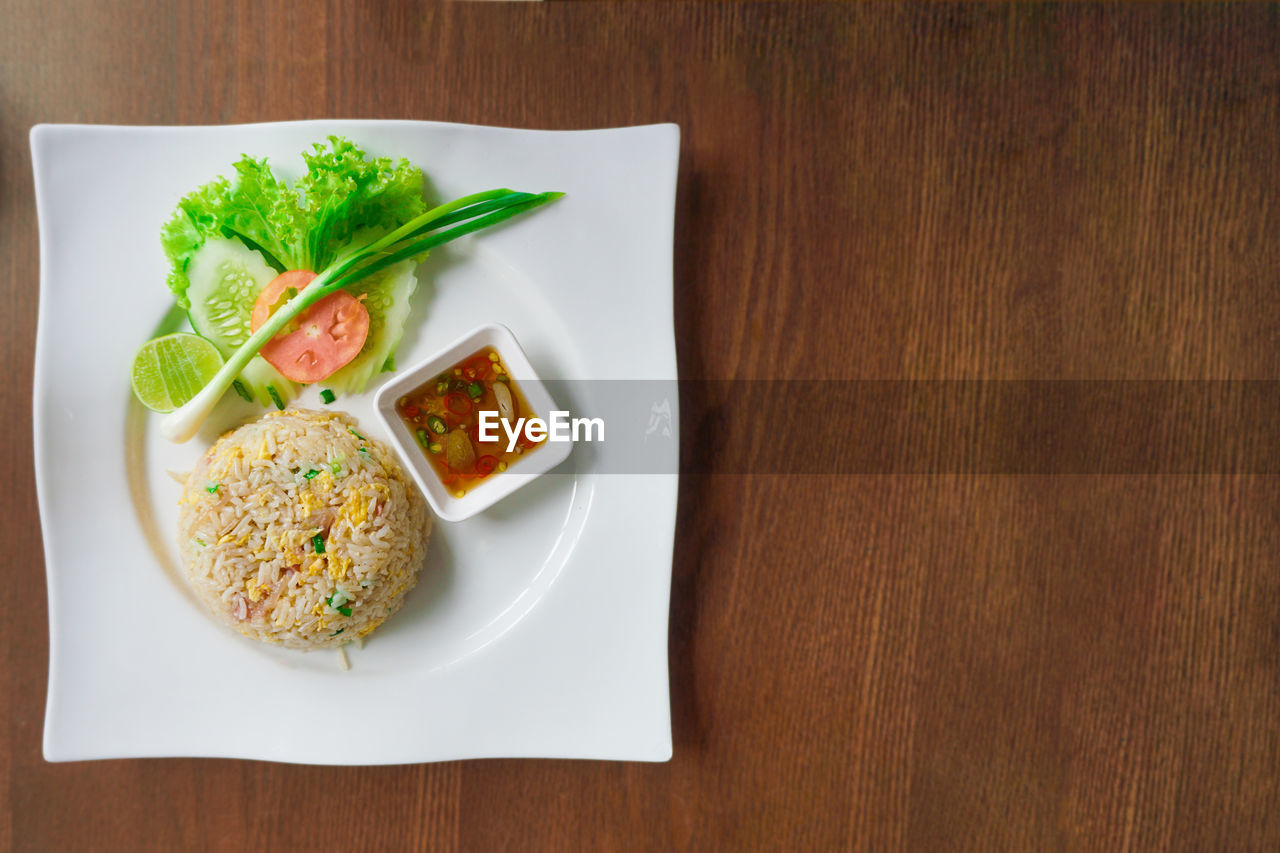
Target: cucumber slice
(226, 277)
(386, 296)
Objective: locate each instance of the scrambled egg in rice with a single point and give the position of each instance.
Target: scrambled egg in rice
(296, 529)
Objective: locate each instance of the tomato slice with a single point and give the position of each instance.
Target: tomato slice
(325, 337)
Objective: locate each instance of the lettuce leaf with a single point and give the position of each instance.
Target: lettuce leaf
(302, 226)
(342, 193)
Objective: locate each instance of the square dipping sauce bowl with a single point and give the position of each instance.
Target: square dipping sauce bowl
(498, 485)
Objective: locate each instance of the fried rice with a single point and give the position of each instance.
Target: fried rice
(296, 529)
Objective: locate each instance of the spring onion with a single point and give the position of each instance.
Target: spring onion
(242, 391)
(317, 542)
(336, 601)
(312, 474)
(412, 240)
(327, 396)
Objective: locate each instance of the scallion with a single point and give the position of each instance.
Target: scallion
(414, 239)
(240, 389)
(317, 542)
(327, 396)
(212, 488)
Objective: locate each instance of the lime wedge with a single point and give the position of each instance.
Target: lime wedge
(169, 371)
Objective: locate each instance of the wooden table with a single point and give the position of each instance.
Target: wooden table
(878, 660)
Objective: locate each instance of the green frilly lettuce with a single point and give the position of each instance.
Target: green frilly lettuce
(302, 225)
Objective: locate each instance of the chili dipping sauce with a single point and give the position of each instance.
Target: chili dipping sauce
(444, 415)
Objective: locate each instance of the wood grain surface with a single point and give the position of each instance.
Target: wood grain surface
(889, 661)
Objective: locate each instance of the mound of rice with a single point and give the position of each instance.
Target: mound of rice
(295, 529)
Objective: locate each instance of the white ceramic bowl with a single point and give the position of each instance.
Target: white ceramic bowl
(447, 505)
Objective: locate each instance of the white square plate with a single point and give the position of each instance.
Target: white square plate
(539, 627)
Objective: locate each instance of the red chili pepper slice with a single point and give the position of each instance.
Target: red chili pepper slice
(411, 411)
(485, 465)
(458, 403)
(476, 368)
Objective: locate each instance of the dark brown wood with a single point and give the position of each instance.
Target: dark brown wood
(872, 662)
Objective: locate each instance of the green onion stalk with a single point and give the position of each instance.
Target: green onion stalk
(413, 239)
